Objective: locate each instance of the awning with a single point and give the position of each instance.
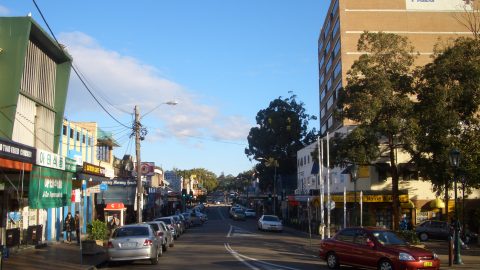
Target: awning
(95, 180)
(437, 203)
(407, 205)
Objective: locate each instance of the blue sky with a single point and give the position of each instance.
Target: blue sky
(222, 60)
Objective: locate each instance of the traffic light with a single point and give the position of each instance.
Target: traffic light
(270, 197)
(184, 193)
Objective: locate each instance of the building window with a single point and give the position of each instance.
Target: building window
(78, 136)
(330, 121)
(327, 48)
(327, 28)
(64, 130)
(337, 89)
(336, 27)
(335, 8)
(103, 153)
(320, 63)
(329, 64)
(71, 133)
(323, 129)
(83, 139)
(330, 102)
(321, 79)
(336, 49)
(337, 70)
(322, 96)
(329, 84)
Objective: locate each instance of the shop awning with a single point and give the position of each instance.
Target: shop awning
(408, 205)
(436, 204)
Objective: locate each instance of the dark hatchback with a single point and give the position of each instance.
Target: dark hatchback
(377, 248)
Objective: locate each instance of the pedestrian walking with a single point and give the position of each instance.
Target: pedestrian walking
(77, 226)
(68, 226)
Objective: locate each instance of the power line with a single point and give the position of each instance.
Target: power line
(74, 68)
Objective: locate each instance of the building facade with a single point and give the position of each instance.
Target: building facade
(425, 23)
(34, 75)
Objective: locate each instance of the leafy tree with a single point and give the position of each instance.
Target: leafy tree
(282, 129)
(448, 93)
(377, 99)
(205, 178)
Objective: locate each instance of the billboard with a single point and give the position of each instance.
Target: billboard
(437, 5)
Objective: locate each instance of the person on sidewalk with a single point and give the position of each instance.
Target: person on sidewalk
(77, 227)
(68, 226)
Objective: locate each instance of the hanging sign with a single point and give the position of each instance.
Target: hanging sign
(49, 188)
(50, 160)
(16, 151)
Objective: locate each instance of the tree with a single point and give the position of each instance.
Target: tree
(282, 129)
(448, 93)
(470, 18)
(206, 179)
(377, 99)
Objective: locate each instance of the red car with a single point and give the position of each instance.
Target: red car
(378, 248)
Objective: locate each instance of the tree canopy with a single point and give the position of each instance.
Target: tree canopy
(377, 99)
(282, 129)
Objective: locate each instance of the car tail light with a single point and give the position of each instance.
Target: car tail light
(110, 245)
(147, 243)
(160, 233)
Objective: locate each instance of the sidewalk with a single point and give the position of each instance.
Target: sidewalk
(54, 256)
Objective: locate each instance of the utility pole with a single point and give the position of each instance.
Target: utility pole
(139, 165)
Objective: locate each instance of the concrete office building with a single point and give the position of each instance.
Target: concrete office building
(425, 23)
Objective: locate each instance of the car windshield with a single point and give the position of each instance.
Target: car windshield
(130, 231)
(388, 238)
(167, 221)
(270, 218)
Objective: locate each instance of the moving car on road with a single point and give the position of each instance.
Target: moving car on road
(239, 214)
(134, 242)
(250, 213)
(270, 223)
(370, 247)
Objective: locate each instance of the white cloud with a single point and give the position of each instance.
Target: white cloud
(4, 11)
(125, 82)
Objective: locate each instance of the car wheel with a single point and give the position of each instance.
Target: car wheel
(423, 236)
(172, 244)
(165, 247)
(385, 265)
(160, 254)
(154, 260)
(332, 261)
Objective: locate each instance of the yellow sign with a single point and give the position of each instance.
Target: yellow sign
(364, 172)
(369, 198)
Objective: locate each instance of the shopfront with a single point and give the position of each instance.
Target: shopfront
(16, 162)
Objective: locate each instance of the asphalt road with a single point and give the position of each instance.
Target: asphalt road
(222, 243)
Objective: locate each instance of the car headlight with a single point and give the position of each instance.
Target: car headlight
(405, 257)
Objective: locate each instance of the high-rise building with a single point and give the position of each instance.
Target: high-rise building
(425, 23)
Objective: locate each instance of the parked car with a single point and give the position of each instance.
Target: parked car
(170, 222)
(167, 236)
(179, 223)
(370, 247)
(239, 215)
(158, 233)
(250, 213)
(134, 242)
(434, 229)
(270, 223)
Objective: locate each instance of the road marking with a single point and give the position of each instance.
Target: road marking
(236, 255)
(239, 232)
(243, 259)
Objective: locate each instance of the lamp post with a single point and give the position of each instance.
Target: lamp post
(455, 162)
(354, 175)
(464, 182)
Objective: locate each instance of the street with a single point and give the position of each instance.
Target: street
(222, 243)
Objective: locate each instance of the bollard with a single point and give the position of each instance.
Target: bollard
(450, 251)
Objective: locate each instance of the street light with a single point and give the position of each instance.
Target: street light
(455, 162)
(354, 175)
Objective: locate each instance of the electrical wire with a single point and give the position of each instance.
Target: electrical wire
(74, 68)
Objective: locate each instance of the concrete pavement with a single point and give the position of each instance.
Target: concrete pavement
(54, 256)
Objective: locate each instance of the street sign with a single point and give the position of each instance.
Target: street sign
(103, 187)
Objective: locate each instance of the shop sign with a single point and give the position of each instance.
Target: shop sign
(439, 5)
(50, 160)
(93, 169)
(49, 188)
(120, 182)
(70, 165)
(16, 151)
(369, 198)
(148, 168)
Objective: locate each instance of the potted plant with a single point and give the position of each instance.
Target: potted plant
(97, 233)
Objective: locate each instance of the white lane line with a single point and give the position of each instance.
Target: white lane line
(241, 256)
(230, 231)
(236, 255)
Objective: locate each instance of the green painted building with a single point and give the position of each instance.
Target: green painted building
(34, 75)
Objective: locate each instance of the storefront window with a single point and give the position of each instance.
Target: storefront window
(383, 218)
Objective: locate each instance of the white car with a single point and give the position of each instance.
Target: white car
(270, 223)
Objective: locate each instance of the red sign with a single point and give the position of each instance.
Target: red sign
(112, 206)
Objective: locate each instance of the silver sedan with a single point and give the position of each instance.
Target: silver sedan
(134, 242)
(270, 223)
